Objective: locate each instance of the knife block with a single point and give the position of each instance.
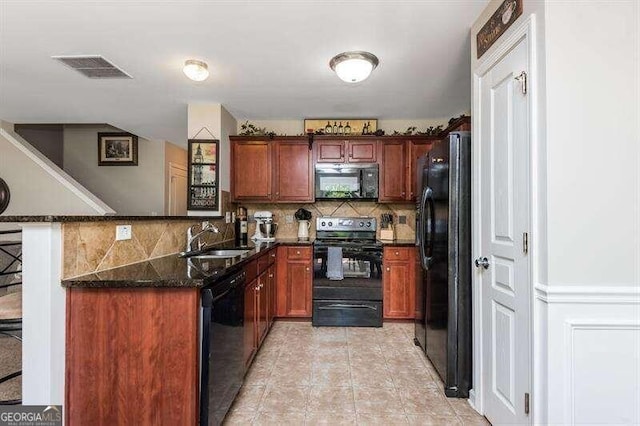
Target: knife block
(388, 234)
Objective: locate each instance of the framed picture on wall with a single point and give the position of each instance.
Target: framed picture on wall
(117, 149)
(203, 175)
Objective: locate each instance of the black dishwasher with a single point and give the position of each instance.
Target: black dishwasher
(222, 362)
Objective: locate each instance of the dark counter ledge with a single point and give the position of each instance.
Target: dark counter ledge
(398, 243)
(110, 218)
(172, 271)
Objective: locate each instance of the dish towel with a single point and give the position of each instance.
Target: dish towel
(334, 263)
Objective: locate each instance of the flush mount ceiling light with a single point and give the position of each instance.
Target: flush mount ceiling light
(353, 67)
(196, 70)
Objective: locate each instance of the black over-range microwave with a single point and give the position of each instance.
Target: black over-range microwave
(346, 181)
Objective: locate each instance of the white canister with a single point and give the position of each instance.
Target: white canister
(303, 229)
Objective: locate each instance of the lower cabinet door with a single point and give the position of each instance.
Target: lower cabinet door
(250, 326)
(298, 289)
(263, 308)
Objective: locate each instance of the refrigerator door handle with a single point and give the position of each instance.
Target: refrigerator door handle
(432, 224)
(425, 237)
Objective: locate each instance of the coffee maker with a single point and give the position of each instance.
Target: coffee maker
(265, 227)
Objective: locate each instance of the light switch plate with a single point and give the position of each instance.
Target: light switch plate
(123, 232)
(227, 217)
(288, 218)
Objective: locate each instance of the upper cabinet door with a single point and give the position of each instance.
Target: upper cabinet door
(330, 151)
(293, 171)
(251, 170)
(393, 171)
(417, 150)
(362, 151)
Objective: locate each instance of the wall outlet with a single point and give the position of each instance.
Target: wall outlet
(123, 232)
(288, 218)
(227, 217)
(402, 220)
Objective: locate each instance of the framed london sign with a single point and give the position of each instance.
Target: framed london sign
(203, 174)
(502, 19)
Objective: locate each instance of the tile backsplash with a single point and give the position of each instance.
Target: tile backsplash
(335, 209)
(91, 246)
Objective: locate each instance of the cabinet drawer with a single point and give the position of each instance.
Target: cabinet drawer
(298, 253)
(397, 253)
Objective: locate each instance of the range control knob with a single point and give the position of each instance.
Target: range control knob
(330, 223)
(324, 224)
(361, 224)
(368, 224)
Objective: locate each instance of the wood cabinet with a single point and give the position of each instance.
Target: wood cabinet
(250, 321)
(393, 171)
(294, 278)
(271, 170)
(251, 171)
(259, 302)
(132, 354)
(399, 282)
(293, 169)
(417, 149)
(346, 151)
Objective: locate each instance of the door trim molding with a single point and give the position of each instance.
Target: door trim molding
(526, 29)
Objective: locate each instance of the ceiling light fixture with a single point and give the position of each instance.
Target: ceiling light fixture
(354, 67)
(196, 70)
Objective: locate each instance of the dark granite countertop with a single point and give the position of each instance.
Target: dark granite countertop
(35, 219)
(168, 271)
(174, 271)
(398, 243)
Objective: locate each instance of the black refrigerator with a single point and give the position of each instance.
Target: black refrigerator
(443, 238)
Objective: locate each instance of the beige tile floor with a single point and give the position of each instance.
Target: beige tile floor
(345, 376)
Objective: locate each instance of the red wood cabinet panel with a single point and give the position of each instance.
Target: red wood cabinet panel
(416, 150)
(329, 151)
(393, 169)
(294, 288)
(293, 171)
(362, 151)
(399, 282)
(118, 340)
(251, 170)
(250, 322)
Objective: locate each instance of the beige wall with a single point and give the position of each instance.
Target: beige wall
(40, 189)
(129, 190)
(173, 154)
(295, 127)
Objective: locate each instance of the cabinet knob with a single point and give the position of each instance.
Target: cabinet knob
(397, 253)
(273, 255)
(307, 268)
(270, 275)
(402, 192)
(388, 269)
(298, 252)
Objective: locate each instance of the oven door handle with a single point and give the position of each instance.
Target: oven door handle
(346, 305)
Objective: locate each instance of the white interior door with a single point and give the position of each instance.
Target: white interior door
(178, 186)
(504, 209)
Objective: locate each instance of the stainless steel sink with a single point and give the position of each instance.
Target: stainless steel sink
(218, 254)
(225, 253)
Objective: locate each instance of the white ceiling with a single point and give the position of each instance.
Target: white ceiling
(268, 60)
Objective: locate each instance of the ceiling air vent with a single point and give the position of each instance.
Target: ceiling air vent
(92, 66)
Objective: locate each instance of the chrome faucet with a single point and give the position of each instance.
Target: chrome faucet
(191, 238)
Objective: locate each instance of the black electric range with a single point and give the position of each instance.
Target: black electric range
(353, 295)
